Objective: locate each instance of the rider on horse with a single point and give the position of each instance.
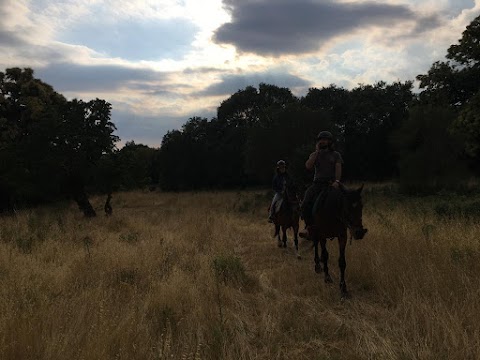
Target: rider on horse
(328, 172)
(279, 182)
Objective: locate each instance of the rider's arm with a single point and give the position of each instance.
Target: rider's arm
(311, 160)
(338, 171)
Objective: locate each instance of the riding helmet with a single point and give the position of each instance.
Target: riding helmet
(280, 163)
(325, 135)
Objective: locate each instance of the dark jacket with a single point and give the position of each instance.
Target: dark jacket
(279, 180)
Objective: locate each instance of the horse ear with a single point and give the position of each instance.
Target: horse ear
(360, 189)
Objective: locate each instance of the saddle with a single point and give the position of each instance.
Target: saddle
(324, 203)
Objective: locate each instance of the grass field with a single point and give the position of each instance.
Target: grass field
(199, 276)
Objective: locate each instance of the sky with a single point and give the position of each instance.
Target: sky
(161, 62)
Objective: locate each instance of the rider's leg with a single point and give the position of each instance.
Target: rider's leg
(306, 208)
(276, 198)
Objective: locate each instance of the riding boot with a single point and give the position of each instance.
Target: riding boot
(271, 214)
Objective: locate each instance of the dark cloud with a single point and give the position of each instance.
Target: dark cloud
(202, 70)
(42, 53)
(232, 83)
(83, 78)
(172, 91)
(426, 23)
(278, 27)
(10, 39)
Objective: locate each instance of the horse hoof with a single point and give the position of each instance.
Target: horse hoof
(279, 244)
(284, 245)
(318, 268)
(345, 295)
(328, 279)
(298, 256)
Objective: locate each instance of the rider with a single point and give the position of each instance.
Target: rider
(278, 184)
(328, 172)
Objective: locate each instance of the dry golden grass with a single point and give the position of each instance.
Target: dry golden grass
(198, 276)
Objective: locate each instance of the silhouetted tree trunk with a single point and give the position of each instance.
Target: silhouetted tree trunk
(77, 189)
(108, 206)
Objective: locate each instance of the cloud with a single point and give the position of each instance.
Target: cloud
(155, 62)
(167, 91)
(201, 70)
(70, 77)
(134, 39)
(9, 38)
(285, 27)
(230, 84)
(457, 6)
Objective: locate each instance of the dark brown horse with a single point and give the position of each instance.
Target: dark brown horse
(334, 212)
(288, 216)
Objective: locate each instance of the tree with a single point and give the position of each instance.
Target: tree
(456, 80)
(291, 129)
(47, 142)
(172, 161)
(240, 109)
(29, 112)
(251, 107)
(362, 120)
(203, 154)
(429, 153)
(131, 167)
(467, 124)
(467, 52)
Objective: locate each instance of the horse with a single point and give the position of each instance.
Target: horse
(335, 211)
(288, 216)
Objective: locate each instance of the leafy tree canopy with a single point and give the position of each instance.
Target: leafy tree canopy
(49, 145)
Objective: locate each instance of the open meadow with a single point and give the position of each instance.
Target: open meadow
(199, 276)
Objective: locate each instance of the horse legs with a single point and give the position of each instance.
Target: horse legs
(284, 239)
(318, 266)
(324, 259)
(342, 263)
(295, 240)
(277, 231)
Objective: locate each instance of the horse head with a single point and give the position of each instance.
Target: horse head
(355, 213)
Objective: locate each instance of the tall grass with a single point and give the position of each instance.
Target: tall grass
(199, 276)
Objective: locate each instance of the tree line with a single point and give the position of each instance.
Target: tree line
(428, 139)
(52, 148)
